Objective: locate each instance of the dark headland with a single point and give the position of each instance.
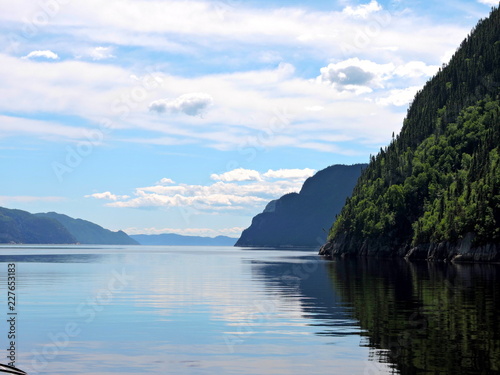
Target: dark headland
(303, 219)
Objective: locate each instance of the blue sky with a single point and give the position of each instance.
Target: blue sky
(189, 116)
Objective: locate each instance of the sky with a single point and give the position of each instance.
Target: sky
(188, 117)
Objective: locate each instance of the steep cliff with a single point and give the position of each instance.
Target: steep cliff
(304, 218)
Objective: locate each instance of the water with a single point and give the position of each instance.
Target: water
(210, 310)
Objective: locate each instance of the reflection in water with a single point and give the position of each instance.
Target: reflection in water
(429, 318)
(237, 311)
(418, 318)
(307, 279)
(53, 258)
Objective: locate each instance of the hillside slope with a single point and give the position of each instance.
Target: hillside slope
(433, 193)
(303, 219)
(86, 232)
(18, 226)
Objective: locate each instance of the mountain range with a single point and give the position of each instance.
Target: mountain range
(21, 227)
(17, 226)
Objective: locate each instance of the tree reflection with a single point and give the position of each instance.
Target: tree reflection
(416, 317)
(425, 318)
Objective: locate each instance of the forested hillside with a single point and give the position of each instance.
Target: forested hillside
(18, 226)
(21, 227)
(434, 191)
(86, 232)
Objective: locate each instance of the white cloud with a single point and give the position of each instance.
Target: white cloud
(363, 10)
(102, 53)
(210, 202)
(290, 173)
(193, 104)
(247, 100)
(165, 181)
(415, 69)
(239, 174)
(400, 97)
(45, 54)
(236, 190)
(269, 57)
(12, 126)
(107, 196)
(356, 75)
(446, 57)
(489, 2)
(315, 108)
(363, 76)
(73, 88)
(263, 109)
(188, 26)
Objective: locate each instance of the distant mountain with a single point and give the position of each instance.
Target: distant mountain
(18, 226)
(170, 239)
(86, 232)
(434, 192)
(304, 219)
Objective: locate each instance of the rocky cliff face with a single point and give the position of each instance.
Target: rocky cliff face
(464, 250)
(303, 219)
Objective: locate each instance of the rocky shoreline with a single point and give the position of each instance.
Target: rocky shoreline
(464, 250)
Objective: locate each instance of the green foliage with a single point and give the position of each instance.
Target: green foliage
(464, 198)
(439, 178)
(426, 318)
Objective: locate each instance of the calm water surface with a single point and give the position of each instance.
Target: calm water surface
(211, 310)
